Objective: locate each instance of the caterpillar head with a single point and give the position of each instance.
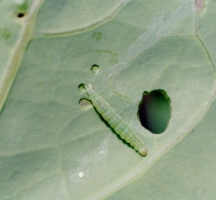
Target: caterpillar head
(89, 87)
(143, 151)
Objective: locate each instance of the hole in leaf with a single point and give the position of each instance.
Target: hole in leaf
(20, 15)
(95, 68)
(81, 87)
(155, 111)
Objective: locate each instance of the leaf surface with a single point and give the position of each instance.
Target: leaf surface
(51, 148)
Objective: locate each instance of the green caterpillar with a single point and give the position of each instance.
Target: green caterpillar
(115, 121)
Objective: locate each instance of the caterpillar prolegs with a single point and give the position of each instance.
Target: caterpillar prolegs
(115, 121)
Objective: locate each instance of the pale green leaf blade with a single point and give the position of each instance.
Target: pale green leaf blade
(51, 148)
(17, 21)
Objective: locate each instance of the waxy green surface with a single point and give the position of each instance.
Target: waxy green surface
(51, 148)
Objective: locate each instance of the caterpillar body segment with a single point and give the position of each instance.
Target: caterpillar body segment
(132, 138)
(115, 121)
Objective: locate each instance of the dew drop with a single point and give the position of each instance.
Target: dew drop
(81, 174)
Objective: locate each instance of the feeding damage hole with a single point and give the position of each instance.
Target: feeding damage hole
(155, 111)
(81, 87)
(20, 15)
(95, 68)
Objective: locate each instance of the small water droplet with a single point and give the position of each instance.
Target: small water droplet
(81, 174)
